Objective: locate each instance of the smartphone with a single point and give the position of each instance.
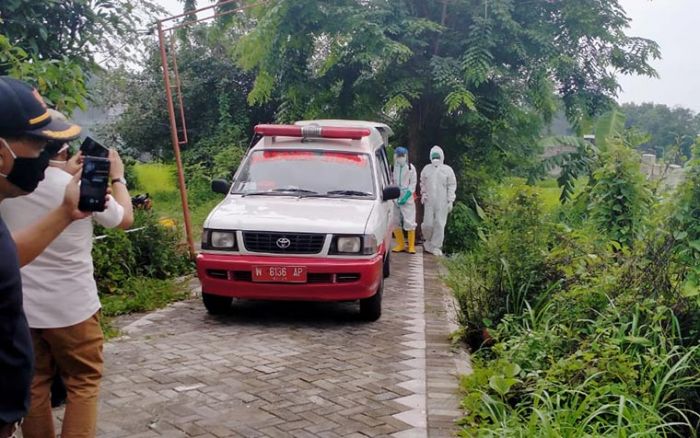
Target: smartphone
(91, 148)
(93, 184)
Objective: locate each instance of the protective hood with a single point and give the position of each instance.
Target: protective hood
(437, 149)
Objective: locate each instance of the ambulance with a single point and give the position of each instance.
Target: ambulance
(306, 218)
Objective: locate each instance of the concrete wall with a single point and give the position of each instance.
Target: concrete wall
(670, 175)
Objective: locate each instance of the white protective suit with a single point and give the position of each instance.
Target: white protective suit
(438, 187)
(406, 178)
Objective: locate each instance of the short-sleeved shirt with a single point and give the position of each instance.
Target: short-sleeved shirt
(59, 285)
(16, 354)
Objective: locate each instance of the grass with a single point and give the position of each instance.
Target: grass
(140, 295)
(159, 181)
(547, 190)
(156, 178)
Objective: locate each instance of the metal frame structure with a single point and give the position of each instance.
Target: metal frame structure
(165, 32)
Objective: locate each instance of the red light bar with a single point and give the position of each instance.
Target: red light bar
(313, 131)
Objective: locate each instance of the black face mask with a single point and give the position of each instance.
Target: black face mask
(26, 173)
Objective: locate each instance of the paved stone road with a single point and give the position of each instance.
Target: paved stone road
(289, 369)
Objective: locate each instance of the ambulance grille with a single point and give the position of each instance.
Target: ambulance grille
(283, 243)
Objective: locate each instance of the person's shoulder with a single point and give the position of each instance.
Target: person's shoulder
(56, 175)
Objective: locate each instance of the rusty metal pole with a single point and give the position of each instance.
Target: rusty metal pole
(175, 140)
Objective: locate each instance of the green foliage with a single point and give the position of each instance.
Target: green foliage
(461, 231)
(154, 252)
(508, 266)
(602, 339)
(667, 127)
(52, 44)
(477, 78)
(158, 250)
(141, 294)
(684, 229)
(60, 81)
(214, 93)
(620, 197)
(76, 29)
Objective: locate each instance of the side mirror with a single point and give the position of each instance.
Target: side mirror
(220, 186)
(390, 193)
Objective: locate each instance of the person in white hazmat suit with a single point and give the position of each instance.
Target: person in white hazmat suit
(406, 177)
(438, 192)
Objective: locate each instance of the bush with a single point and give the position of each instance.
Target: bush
(508, 268)
(113, 258)
(620, 198)
(593, 328)
(158, 250)
(155, 252)
(462, 230)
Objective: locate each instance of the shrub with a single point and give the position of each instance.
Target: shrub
(158, 250)
(155, 252)
(461, 232)
(113, 259)
(594, 329)
(620, 198)
(509, 267)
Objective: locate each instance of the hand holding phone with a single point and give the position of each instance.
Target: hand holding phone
(94, 181)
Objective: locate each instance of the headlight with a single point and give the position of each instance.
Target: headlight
(359, 245)
(223, 240)
(349, 244)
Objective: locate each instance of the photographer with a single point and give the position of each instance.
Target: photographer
(26, 130)
(61, 301)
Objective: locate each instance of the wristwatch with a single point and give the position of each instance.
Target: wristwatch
(119, 180)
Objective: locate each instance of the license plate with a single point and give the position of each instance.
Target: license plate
(280, 274)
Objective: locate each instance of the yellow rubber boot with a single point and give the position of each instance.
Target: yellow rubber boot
(400, 244)
(412, 242)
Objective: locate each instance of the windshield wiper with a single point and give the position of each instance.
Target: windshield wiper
(294, 190)
(243, 195)
(349, 193)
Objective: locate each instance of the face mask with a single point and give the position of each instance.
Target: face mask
(401, 161)
(436, 162)
(26, 173)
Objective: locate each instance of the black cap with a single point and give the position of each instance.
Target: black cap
(23, 112)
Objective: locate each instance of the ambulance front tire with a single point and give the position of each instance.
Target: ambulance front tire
(216, 304)
(371, 308)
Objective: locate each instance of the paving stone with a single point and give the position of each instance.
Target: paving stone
(289, 369)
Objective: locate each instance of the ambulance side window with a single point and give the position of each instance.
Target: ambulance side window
(384, 164)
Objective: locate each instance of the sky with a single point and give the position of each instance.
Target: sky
(673, 24)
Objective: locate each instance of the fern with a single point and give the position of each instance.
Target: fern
(460, 99)
(477, 62)
(574, 164)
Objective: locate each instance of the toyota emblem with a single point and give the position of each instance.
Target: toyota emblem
(283, 243)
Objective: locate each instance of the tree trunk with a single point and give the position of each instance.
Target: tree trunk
(423, 132)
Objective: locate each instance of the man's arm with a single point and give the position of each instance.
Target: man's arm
(33, 240)
(119, 191)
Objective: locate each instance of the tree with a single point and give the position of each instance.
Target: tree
(214, 95)
(54, 43)
(477, 76)
(667, 127)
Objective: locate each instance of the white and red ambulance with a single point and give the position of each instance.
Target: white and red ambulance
(307, 218)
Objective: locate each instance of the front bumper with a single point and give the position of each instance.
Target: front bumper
(329, 279)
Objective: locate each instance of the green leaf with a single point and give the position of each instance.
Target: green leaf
(680, 235)
(511, 369)
(502, 384)
(479, 210)
(638, 340)
(690, 289)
